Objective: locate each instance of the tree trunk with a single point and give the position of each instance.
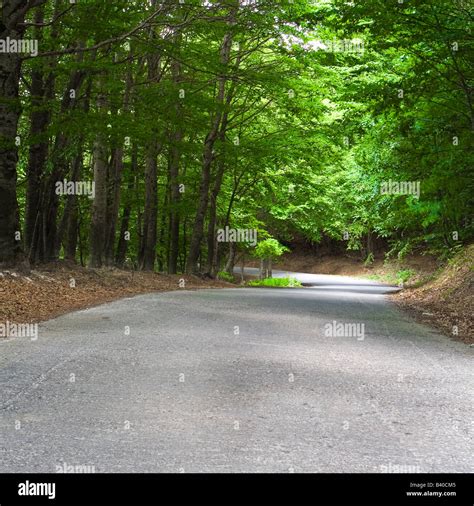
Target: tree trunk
(45, 243)
(151, 208)
(370, 247)
(147, 253)
(184, 247)
(13, 14)
(174, 203)
(196, 237)
(99, 206)
(211, 229)
(198, 232)
(127, 210)
(68, 226)
(115, 179)
(72, 232)
(69, 221)
(212, 244)
(229, 266)
(42, 90)
(174, 158)
(265, 268)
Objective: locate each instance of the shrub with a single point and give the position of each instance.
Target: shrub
(277, 282)
(404, 275)
(225, 276)
(269, 248)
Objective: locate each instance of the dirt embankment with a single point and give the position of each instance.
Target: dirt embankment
(348, 265)
(63, 287)
(447, 300)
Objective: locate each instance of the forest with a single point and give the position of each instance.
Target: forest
(132, 132)
(236, 238)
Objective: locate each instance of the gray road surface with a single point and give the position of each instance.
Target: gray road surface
(238, 380)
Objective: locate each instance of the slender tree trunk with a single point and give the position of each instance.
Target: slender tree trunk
(229, 266)
(69, 221)
(370, 248)
(184, 253)
(147, 255)
(195, 246)
(211, 229)
(174, 158)
(127, 210)
(68, 225)
(72, 234)
(212, 244)
(151, 209)
(164, 254)
(42, 90)
(116, 170)
(265, 268)
(174, 203)
(62, 164)
(99, 206)
(115, 179)
(207, 158)
(37, 158)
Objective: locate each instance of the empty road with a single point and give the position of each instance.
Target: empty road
(326, 378)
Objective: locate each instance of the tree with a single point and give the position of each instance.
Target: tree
(268, 250)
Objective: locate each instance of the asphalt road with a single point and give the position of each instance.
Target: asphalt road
(327, 282)
(238, 380)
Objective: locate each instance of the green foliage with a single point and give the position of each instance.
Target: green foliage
(276, 282)
(404, 275)
(225, 276)
(270, 249)
(309, 136)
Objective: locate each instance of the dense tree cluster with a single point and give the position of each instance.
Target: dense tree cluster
(131, 131)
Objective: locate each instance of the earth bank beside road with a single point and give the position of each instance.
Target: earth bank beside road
(62, 287)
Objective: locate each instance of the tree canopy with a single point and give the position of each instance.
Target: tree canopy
(131, 131)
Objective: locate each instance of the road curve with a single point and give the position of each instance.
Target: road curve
(238, 380)
(328, 282)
